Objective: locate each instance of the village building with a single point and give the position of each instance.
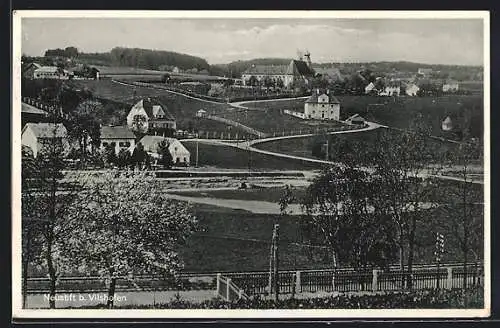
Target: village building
(391, 90)
(370, 88)
(447, 124)
(39, 136)
(118, 137)
(31, 114)
(322, 106)
(412, 89)
(356, 119)
(425, 71)
(331, 74)
(151, 117)
(180, 154)
(296, 70)
(29, 70)
(450, 86)
(201, 113)
(51, 72)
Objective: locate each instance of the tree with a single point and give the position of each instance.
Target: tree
(124, 226)
(339, 205)
(124, 158)
(84, 126)
(45, 202)
(279, 83)
(139, 156)
(402, 162)
(166, 158)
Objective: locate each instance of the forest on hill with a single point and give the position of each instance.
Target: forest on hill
(133, 57)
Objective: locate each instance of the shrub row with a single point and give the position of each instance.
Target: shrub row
(426, 299)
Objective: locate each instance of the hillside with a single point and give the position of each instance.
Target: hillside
(133, 57)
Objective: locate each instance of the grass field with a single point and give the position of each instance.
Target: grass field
(399, 112)
(234, 158)
(234, 240)
(271, 194)
(274, 121)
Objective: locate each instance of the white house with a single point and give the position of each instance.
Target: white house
(447, 124)
(119, 137)
(412, 89)
(450, 87)
(322, 106)
(51, 72)
(38, 136)
(201, 113)
(369, 88)
(180, 155)
(150, 116)
(391, 91)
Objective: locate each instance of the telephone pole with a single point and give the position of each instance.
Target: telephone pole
(197, 143)
(275, 255)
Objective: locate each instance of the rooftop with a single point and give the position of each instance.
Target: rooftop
(47, 130)
(116, 132)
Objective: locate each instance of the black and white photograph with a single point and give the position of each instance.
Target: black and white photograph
(221, 164)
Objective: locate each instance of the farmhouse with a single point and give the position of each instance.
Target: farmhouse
(180, 155)
(29, 70)
(391, 90)
(51, 72)
(31, 114)
(38, 136)
(424, 71)
(355, 119)
(447, 124)
(322, 106)
(118, 137)
(412, 89)
(450, 86)
(370, 88)
(296, 70)
(151, 117)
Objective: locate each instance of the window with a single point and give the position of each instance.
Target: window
(177, 160)
(124, 144)
(105, 144)
(184, 159)
(323, 106)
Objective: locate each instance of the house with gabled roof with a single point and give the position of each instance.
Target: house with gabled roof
(322, 106)
(39, 136)
(118, 137)
(149, 116)
(180, 154)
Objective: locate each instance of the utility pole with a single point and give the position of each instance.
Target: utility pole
(276, 262)
(327, 150)
(197, 143)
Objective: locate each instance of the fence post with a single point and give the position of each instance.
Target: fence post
(375, 280)
(228, 289)
(219, 275)
(449, 281)
(298, 285)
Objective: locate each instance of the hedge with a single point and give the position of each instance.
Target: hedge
(426, 299)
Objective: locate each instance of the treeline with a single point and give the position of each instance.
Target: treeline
(234, 69)
(133, 57)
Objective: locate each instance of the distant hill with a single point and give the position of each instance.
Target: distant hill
(134, 57)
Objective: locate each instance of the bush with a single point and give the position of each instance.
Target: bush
(425, 299)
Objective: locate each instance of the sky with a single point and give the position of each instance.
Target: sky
(432, 41)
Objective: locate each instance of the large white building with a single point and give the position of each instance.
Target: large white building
(322, 106)
(296, 70)
(41, 136)
(180, 155)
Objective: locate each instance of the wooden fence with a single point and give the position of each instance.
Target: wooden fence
(357, 281)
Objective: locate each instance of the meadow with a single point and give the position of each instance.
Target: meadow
(234, 158)
(399, 112)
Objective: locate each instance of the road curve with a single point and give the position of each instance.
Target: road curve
(240, 104)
